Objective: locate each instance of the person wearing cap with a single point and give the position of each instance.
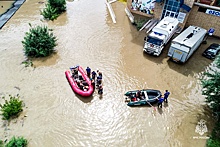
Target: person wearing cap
(88, 70)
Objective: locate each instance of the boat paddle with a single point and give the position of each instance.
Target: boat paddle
(151, 105)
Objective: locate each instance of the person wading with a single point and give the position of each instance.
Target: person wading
(166, 95)
(160, 102)
(88, 70)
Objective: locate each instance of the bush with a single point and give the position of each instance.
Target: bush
(49, 13)
(213, 143)
(11, 108)
(39, 42)
(214, 140)
(17, 142)
(60, 5)
(1, 143)
(139, 23)
(53, 9)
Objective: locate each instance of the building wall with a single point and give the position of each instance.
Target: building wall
(204, 20)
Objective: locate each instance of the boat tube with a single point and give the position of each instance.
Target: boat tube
(74, 86)
(147, 96)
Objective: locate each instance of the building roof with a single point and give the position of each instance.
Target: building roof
(190, 36)
(167, 24)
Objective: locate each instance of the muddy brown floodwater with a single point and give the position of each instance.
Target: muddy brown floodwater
(56, 117)
(5, 5)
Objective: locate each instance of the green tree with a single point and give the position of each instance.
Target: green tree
(11, 108)
(211, 86)
(49, 13)
(17, 142)
(53, 9)
(1, 143)
(39, 42)
(211, 89)
(60, 5)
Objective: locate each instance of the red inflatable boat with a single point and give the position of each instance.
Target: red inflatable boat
(74, 86)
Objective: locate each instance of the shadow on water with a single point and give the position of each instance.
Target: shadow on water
(60, 21)
(165, 104)
(155, 59)
(193, 66)
(160, 110)
(46, 61)
(196, 63)
(85, 99)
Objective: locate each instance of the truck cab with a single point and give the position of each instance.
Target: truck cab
(154, 45)
(160, 35)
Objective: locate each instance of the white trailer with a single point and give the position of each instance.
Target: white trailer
(160, 35)
(186, 43)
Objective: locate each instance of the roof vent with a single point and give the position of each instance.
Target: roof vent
(165, 24)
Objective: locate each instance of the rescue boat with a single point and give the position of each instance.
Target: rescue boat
(74, 85)
(147, 96)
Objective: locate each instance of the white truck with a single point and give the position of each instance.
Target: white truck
(160, 35)
(186, 43)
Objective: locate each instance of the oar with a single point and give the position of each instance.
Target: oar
(151, 105)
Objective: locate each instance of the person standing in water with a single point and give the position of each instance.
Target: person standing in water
(160, 102)
(166, 95)
(93, 75)
(88, 71)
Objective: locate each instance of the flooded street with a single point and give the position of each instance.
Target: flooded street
(56, 117)
(5, 5)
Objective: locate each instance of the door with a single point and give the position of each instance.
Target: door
(177, 55)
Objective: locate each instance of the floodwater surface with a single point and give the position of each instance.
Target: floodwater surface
(54, 116)
(5, 5)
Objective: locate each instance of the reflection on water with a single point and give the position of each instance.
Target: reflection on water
(87, 36)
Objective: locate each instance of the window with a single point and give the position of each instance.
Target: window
(201, 9)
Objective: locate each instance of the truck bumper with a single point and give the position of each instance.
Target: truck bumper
(151, 52)
(176, 60)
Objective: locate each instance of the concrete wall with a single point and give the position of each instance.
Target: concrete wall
(204, 20)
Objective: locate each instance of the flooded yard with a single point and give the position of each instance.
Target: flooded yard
(55, 116)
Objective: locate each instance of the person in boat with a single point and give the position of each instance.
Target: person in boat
(160, 102)
(127, 99)
(100, 91)
(80, 85)
(142, 97)
(138, 94)
(85, 83)
(85, 88)
(166, 95)
(88, 71)
(74, 71)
